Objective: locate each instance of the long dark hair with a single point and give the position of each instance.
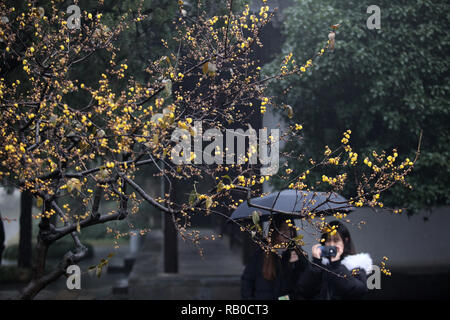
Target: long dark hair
(269, 269)
(349, 247)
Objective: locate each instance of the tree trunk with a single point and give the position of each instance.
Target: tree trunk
(24, 255)
(170, 238)
(38, 281)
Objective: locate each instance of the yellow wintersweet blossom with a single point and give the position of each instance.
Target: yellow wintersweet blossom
(334, 161)
(353, 156)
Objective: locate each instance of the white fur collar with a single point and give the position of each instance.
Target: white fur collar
(360, 260)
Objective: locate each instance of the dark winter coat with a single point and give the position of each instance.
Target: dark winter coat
(255, 286)
(317, 283)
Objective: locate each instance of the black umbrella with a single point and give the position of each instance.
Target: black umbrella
(293, 203)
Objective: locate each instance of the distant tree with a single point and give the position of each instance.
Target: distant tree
(386, 84)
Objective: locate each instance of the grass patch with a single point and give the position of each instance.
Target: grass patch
(14, 274)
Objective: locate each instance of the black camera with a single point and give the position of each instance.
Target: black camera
(328, 251)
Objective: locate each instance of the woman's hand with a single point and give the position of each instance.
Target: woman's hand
(316, 252)
(340, 250)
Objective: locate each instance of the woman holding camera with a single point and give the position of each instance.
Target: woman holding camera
(269, 277)
(336, 271)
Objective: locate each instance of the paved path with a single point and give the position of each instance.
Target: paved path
(92, 287)
(217, 258)
(215, 275)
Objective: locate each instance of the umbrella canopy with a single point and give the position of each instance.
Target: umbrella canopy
(293, 202)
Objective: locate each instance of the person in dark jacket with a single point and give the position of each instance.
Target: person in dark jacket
(269, 277)
(341, 277)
